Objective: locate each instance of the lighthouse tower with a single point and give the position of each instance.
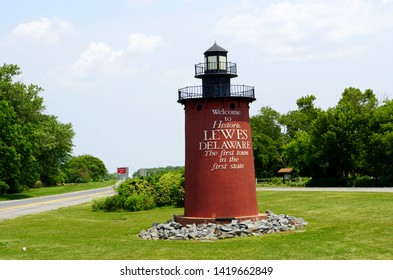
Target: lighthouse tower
(219, 165)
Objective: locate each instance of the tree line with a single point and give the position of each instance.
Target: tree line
(35, 148)
(350, 144)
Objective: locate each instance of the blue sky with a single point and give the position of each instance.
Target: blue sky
(112, 68)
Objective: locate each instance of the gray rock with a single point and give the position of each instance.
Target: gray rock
(284, 228)
(175, 231)
(225, 228)
(264, 228)
(284, 221)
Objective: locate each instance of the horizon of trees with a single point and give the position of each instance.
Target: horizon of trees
(351, 141)
(35, 148)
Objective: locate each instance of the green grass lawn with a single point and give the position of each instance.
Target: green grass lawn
(56, 190)
(341, 226)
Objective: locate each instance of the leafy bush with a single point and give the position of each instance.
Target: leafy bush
(330, 182)
(139, 194)
(365, 181)
(296, 184)
(135, 185)
(109, 204)
(358, 181)
(3, 187)
(38, 185)
(169, 190)
(132, 195)
(85, 168)
(138, 202)
(276, 181)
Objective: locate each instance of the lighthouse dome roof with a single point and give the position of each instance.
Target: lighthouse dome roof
(216, 48)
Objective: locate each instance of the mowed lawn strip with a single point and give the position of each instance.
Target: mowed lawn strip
(56, 190)
(341, 226)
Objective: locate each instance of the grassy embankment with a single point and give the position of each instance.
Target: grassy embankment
(56, 190)
(341, 226)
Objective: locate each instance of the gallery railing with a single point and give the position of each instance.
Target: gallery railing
(214, 91)
(215, 68)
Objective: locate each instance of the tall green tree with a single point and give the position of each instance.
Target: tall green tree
(380, 147)
(297, 152)
(85, 168)
(10, 160)
(300, 119)
(25, 134)
(267, 140)
(298, 123)
(350, 143)
(339, 137)
(54, 147)
(336, 142)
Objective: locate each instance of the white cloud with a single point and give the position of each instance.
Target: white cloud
(138, 42)
(43, 29)
(97, 54)
(291, 28)
(118, 61)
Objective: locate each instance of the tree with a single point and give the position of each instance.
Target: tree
(54, 148)
(25, 153)
(85, 168)
(298, 123)
(299, 154)
(300, 119)
(380, 148)
(267, 140)
(9, 157)
(337, 138)
(22, 109)
(350, 144)
(340, 136)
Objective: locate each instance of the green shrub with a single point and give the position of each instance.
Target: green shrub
(38, 185)
(296, 184)
(169, 190)
(108, 204)
(85, 168)
(98, 203)
(134, 185)
(138, 202)
(139, 194)
(364, 181)
(276, 181)
(3, 187)
(330, 182)
(132, 195)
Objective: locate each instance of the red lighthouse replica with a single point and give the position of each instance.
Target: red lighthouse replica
(219, 166)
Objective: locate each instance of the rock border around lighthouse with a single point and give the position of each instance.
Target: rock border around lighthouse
(211, 231)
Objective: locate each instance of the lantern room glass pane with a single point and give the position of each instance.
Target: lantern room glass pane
(222, 62)
(212, 62)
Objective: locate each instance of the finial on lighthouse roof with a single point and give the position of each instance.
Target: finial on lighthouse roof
(216, 48)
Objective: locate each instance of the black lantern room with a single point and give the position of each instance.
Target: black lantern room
(216, 74)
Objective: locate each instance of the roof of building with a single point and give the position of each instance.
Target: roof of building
(216, 48)
(285, 170)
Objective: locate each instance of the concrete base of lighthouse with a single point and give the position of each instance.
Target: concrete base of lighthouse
(217, 220)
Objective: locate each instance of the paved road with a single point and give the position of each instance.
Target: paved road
(15, 208)
(297, 189)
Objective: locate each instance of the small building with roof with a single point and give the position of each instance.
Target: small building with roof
(286, 173)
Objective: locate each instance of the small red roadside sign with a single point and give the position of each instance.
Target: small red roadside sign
(122, 170)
